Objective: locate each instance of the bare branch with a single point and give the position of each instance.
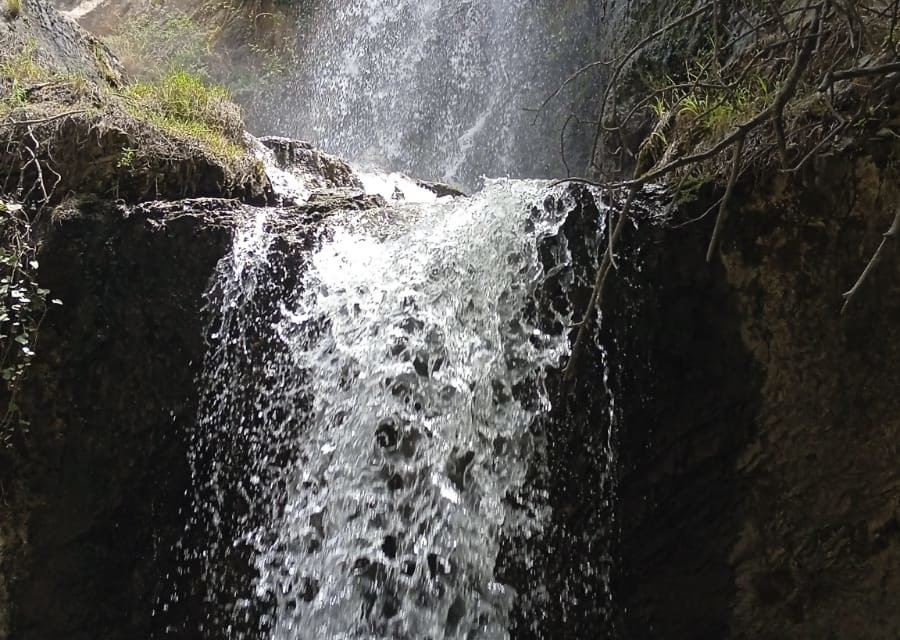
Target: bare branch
(890, 235)
(729, 190)
(58, 116)
(859, 72)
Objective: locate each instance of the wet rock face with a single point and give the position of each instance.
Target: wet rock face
(752, 489)
(686, 393)
(318, 169)
(641, 445)
(818, 548)
(757, 485)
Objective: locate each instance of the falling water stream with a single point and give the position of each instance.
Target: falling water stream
(373, 394)
(367, 415)
(440, 89)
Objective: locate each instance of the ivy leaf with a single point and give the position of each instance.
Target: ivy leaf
(34, 264)
(56, 301)
(23, 340)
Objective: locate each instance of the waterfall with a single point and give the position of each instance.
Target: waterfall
(441, 89)
(371, 459)
(371, 415)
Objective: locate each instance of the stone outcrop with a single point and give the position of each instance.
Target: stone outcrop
(94, 493)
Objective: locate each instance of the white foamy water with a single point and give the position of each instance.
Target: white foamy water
(367, 413)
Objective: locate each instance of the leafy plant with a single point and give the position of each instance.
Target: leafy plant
(126, 160)
(23, 303)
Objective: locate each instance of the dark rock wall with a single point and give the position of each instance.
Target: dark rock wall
(96, 486)
(758, 492)
(818, 552)
(642, 444)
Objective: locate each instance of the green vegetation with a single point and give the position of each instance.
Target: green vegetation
(24, 66)
(126, 159)
(182, 102)
(249, 44)
(175, 135)
(715, 109)
(178, 102)
(13, 9)
(20, 70)
(23, 304)
(150, 42)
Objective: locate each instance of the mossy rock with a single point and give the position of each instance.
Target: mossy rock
(111, 154)
(74, 128)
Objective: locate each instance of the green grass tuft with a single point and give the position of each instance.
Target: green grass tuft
(182, 102)
(13, 9)
(24, 66)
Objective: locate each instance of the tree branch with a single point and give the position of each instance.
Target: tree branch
(890, 235)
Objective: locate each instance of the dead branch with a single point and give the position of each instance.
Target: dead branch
(812, 152)
(58, 116)
(729, 190)
(859, 72)
(890, 235)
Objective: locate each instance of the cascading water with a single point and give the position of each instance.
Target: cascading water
(371, 458)
(370, 430)
(440, 88)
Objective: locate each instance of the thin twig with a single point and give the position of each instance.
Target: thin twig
(891, 234)
(729, 190)
(860, 72)
(15, 123)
